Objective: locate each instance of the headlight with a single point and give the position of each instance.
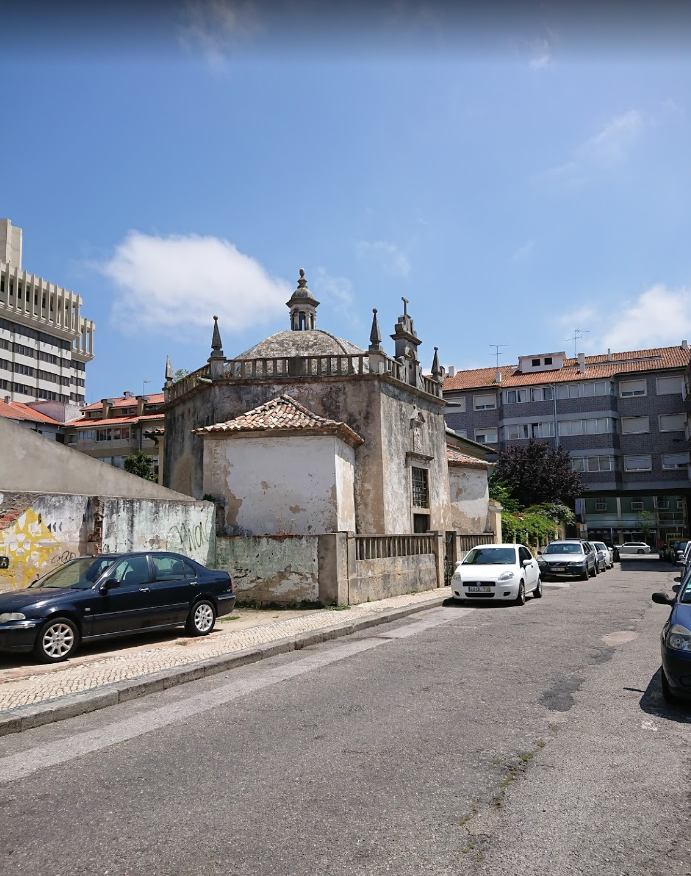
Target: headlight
(678, 638)
(505, 576)
(10, 616)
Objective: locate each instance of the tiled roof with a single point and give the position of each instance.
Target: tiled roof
(455, 457)
(19, 411)
(281, 414)
(154, 398)
(599, 366)
(93, 422)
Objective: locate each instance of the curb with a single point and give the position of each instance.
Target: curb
(27, 717)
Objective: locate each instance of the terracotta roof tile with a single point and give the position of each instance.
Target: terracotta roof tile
(656, 359)
(155, 398)
(281, 414)
(455, 457)
(20, 411)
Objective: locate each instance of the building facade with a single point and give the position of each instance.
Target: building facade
(622, 417)
(45, 342)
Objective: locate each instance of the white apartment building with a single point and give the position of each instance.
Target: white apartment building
(45, 342)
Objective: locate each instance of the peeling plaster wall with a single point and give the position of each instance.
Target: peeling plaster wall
(38, 532)
(469, 511)
(282, 569)
(273, 484)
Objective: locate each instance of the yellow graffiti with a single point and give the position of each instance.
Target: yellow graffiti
(28, 543)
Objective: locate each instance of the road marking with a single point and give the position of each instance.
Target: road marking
(24, 763)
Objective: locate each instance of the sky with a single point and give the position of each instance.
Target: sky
(520, 173)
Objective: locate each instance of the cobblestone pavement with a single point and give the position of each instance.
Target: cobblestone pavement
(24, 682)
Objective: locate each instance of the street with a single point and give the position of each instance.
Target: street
(484, 740)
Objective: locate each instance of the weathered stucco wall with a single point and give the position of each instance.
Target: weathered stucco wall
(277, 484)
(30, 463)
(469, 499)
(38, 532)
(379, 579)
(281, 569)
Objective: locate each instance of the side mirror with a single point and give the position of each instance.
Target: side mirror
(662, 599)
(110, 584)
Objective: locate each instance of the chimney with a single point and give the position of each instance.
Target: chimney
(497, 376)
(451, 371)
(685, 345)
(581, 363)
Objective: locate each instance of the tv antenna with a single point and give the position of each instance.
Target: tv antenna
(578, 334)
(497, 350)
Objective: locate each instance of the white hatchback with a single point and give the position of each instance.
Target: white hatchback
(500, 572)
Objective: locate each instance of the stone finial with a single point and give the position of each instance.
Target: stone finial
(436, 370)
(216, 345)
(375, 334)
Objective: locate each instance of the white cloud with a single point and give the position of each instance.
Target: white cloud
(387, 255)
(659, 317)
(214, 26)
(177, 283)
(615, 138)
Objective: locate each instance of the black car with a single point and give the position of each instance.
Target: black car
(108, 595)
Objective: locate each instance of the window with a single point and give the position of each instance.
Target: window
(674, 460)
(420, 487)
(486, 436)
(630, 388)
(670, 385)
(672, 422)
(484, 402)
(600, 504)
(638, 463)
(634, 425)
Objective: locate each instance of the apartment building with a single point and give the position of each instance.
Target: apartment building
(115, 428)
(621, 416)
(45, 342)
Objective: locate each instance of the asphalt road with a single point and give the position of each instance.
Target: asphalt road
(497, 740)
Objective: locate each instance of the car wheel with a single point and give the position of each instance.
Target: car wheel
(666, 690)
(537, 593)
(57, 640)
(201, 619)
(520, 599)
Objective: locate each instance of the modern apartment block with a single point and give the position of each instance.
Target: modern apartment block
(621, 416)
(45, 342)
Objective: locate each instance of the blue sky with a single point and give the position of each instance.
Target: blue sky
(515, 174)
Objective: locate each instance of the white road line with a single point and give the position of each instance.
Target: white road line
(24, 763)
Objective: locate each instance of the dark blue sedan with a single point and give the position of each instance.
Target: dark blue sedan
(109, 595)
(676, 642)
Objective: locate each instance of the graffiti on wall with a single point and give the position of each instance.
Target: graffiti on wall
(28, 543)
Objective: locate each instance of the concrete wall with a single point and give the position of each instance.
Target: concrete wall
(30, 463)
(39, 531)
(273, 484)
(469, 499)
(282, 569)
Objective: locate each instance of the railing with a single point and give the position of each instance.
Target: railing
(378, 547)
(287, 367)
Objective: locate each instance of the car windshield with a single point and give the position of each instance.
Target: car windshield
(490, 556)
(563, 549)
(79, 574)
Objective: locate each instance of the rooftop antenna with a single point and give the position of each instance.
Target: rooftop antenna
(578, 334)
(144, 382)
(497, 351)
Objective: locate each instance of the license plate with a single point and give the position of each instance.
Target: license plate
(479, 589)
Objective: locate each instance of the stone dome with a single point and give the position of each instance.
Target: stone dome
(309, 342)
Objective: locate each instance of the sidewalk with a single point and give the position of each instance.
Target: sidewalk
(117, 670)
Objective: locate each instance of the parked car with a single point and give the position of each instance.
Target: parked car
(605, 555)
(109, 595)
(501, 572)
(634, 547)
(570, 558)
(675, 643)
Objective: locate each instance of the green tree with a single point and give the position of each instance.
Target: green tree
(140, 464)
(538, 474)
